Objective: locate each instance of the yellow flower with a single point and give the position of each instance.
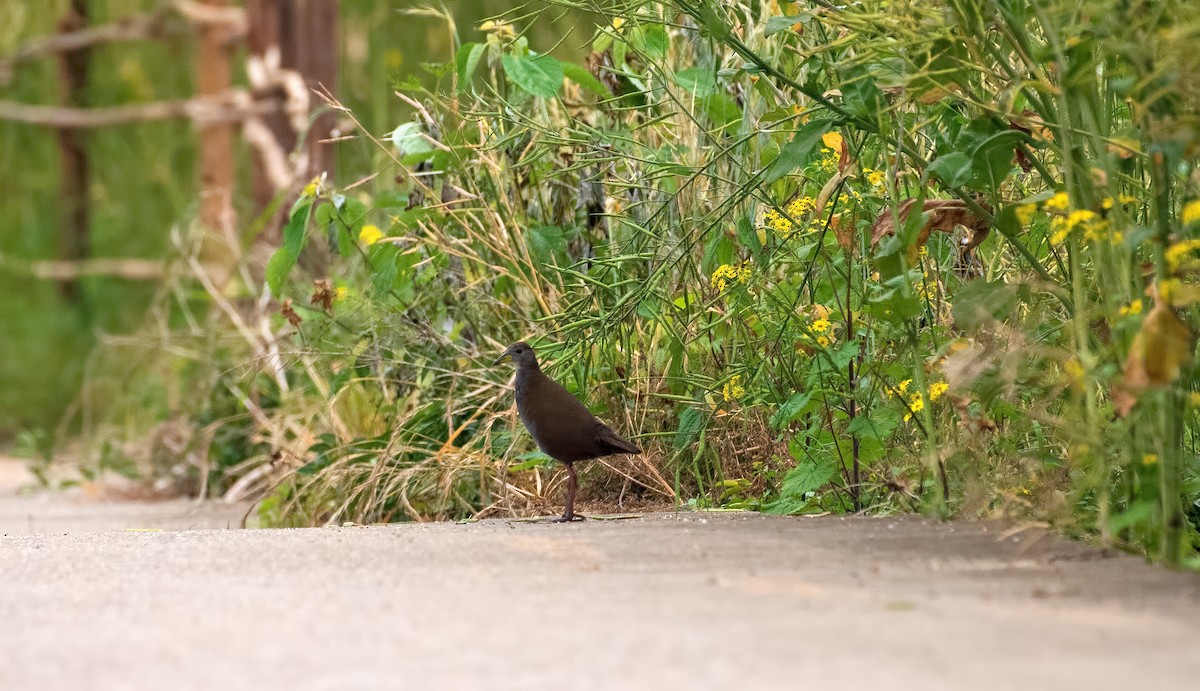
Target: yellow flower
(832, 140)
(1061, 231)
(1194, 399)
(936, 390)
(501, 29)
(1073, 369)
(1191, 212)
(1126, 199)
(340, 293)
(823, 341)
(733, 390)
(915, 404)
(311, 189)
(1168, 288)
(875, 177)
(1149, 459)
(777, 222)
(370, 234)
(1060, 201)
(1106, 203)
(727, 273)
(1180, 252)
(820, 326)
(1025, 213)
(1132, 308)
(800, 206)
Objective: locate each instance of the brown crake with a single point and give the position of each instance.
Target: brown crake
(562, 427)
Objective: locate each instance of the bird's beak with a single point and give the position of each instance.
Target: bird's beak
(500, 359)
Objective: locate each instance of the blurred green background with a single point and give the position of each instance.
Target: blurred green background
(143, 175)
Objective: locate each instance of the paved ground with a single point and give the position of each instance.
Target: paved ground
(696, 601)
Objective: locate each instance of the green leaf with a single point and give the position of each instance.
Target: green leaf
(538, 76)
(796, 152)
(295, 234)
(748, 236)
(546, 243)
(779, 23)
(651, 40)
(795, 406)
(691, 422)
(878, 425)
(980, 302)
(721, 109)
(809, 475)
(467, 61)
(954, 169)
(580, 75)
(411, 142)
(698, 81)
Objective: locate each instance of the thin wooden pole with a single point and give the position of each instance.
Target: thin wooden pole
(75, 173)
(220, 248)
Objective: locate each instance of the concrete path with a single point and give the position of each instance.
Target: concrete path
(688, 601)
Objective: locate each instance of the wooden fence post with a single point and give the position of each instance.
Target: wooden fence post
(305, 34)
(220, 247)
(75, 176)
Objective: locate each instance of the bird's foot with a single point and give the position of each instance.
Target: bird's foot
(567, 518)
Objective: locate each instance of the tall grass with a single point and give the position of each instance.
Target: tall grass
(885, 256)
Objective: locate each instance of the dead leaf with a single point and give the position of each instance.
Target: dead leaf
(323, 294)
(943, 216)
(289, 313)
(1160, 350)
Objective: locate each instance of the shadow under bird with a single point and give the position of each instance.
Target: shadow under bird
(562, 427)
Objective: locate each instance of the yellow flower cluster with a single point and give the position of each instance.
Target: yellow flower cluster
(820, 326)
(875, 177)
(730, 273)
(1191, 212)
(1025, 213)
(733, 389)
(1179, 253)
(1093, 228)
(1059, 202)
(937, 389)
(787, 222)
(832, 152)
(1194, 399)
(900, 389)
(915, 404)
(1133, 308)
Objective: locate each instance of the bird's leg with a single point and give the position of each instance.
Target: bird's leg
(572, 485)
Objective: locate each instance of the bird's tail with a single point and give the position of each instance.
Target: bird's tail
(614, 441)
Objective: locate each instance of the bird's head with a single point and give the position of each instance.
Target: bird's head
(521, 354)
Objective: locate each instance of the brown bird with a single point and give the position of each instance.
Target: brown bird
(563, 429)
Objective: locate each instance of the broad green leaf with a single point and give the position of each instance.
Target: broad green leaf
(721, 109)
(796, 152)
(795, 406)
(698, 81)
(779, 23)
(410, 141)
(294, 236)
(954, 169)
(650, 40)
(580, 75)
(546, 242)
(691, 422)
(538, 76)
(467, 61)
(809, 475)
